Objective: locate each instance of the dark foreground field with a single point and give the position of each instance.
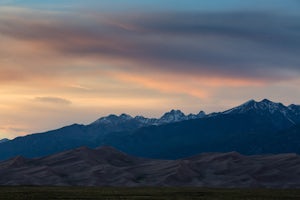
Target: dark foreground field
(76, 193)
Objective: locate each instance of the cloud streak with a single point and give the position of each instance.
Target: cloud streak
(53, 100)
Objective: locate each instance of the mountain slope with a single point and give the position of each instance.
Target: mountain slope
(106, 166)
(222, 133)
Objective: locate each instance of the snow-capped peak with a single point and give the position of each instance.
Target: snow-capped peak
(113, 119)
(176, 113)
(264, 105)
(294, 107)
(172, 116)
(271, 106)
(125, 116)
(168, 117)
(201, 114)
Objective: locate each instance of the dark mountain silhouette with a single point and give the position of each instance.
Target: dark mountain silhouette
(251, 128)
(77, 135)
(105, 166)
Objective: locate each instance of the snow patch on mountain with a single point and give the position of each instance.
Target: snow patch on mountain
(291, 112)
(264, 107)
(169, 117)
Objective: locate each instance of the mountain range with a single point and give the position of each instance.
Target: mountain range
(76, 135)
(106, 166)
(252, 128)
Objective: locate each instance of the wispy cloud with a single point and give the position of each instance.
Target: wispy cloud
(54, 100)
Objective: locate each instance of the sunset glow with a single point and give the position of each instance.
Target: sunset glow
(64, 62)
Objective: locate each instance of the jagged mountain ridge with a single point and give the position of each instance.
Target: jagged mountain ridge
(282, 116)
(249, 129)
(106, 166)
(291, 112)
(168, 117)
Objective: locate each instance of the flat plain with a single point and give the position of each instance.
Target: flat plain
(159, 193)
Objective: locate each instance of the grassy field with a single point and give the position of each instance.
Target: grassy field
(76, 193)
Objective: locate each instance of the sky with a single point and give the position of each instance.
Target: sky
(71, 61)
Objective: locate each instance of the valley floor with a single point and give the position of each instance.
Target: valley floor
(77, 193)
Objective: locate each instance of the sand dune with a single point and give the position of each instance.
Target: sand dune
(107, 166)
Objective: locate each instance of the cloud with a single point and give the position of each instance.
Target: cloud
(251, 45)
(53, 100)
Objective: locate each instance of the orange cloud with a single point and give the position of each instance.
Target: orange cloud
(200, 87)
(161, 84)
(157, 44)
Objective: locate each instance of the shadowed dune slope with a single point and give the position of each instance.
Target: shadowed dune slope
(106, 166)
